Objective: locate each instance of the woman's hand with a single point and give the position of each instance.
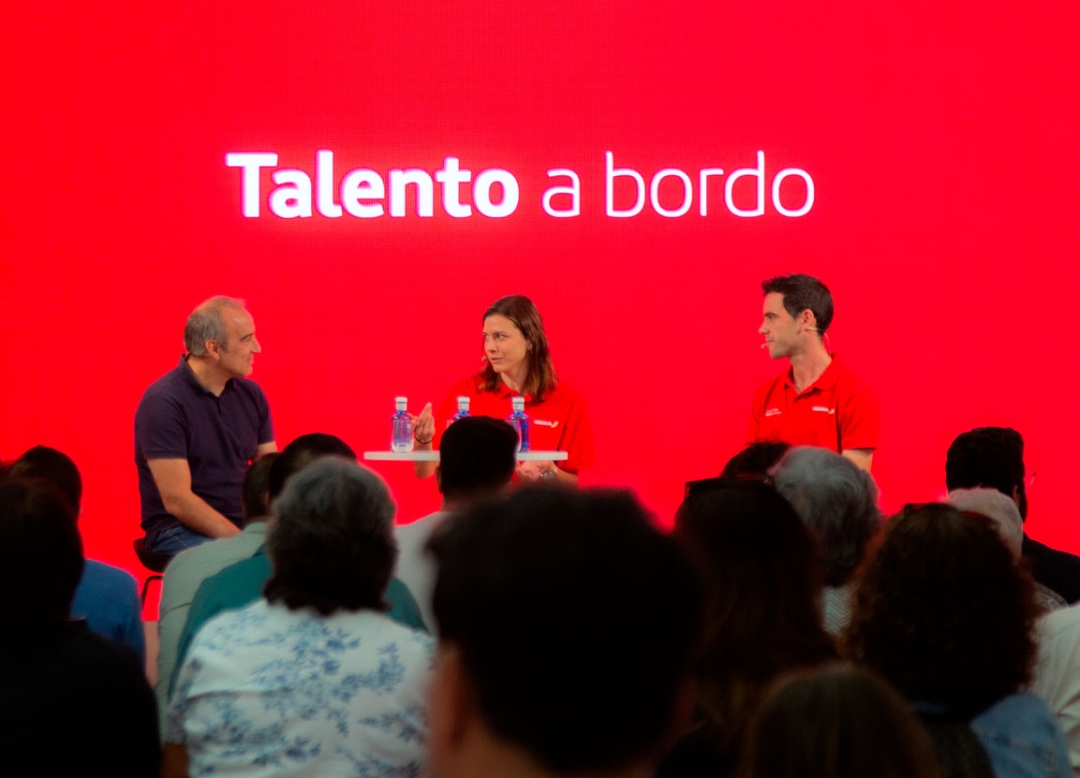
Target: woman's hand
(537, 471)
(424, 427)
(423, 435)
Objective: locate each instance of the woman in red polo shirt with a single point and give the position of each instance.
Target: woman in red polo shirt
(517, 361)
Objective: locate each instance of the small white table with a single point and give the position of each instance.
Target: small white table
(433, 456)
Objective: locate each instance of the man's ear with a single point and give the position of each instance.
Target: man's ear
(808, 320)
(212, 348)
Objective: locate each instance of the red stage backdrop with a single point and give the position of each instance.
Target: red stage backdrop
(370, 176)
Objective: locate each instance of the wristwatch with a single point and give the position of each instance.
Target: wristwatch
(547, 474)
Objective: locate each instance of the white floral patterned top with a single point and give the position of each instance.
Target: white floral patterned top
(268, 691)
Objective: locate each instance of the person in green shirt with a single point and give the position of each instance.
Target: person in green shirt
(242, 583)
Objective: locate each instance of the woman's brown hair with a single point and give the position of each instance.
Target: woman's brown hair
(540, 377)
(765, 575)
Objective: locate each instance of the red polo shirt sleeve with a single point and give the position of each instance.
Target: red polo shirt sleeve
(860, 415)
(577, 441)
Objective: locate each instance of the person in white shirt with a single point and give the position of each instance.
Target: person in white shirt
(1056, 674)
(477, 460)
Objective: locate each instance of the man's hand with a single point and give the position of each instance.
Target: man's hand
(536, 471)
(173, 480)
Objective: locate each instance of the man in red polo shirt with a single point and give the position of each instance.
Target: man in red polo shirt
(819, 401)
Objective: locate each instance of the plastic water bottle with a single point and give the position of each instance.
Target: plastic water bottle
(520, 422)
(402, 442)
(462, 409)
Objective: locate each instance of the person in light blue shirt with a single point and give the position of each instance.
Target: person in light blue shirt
(1023, 738)
(945, 614)
(107, 597)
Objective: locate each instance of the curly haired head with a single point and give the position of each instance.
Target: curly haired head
(943, 611)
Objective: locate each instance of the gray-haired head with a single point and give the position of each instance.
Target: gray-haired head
(207, 322)
(837, 500)
(331, 539)
(995, 506)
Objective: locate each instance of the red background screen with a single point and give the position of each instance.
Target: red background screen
(941, 141)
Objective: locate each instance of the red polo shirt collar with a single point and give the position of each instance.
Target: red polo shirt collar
(506, 391)
(825, 381)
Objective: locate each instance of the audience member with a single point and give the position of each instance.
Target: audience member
(315, 679)
(73, 703)
(994, 457)
(1056, 674)
(567, 627)
(476, 463)
(755, 461)
(190, 568)
(1004, 514)
(241, 583)
(944, 614)
(763, 619)
(838, 722)
(107, 597)
(838, 501)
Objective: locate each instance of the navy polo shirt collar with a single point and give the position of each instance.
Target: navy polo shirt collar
(192, 381)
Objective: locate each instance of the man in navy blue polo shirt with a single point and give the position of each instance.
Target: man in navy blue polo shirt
(198, 427)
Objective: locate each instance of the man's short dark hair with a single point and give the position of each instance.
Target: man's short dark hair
(332, 542)
(992, 457)
(302, 452)
(53, 466)
(801, 292)
(476, 455)
(576, 621)
(755, 461)
(257, 487)
(41, 555)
